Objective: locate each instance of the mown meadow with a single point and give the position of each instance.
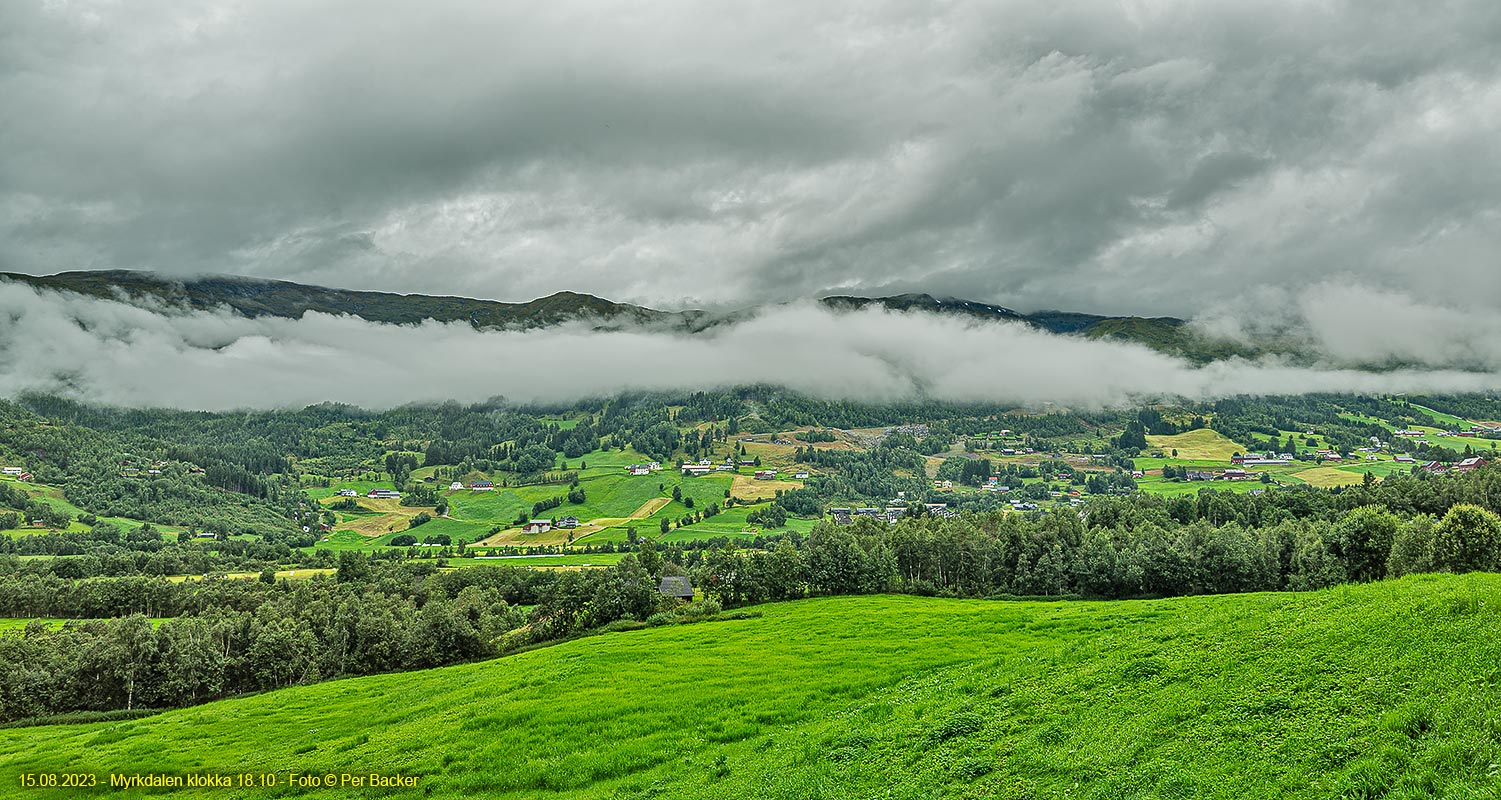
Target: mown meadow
(1390, 689)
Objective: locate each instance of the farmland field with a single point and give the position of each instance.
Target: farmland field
(16, 624)
(1385, 689)
(614, 502)
(560, 560)
(1324, 477)
(1200, 445)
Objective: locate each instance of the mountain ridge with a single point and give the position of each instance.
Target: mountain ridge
(258, 297)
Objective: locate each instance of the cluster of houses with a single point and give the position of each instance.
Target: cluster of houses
(893, 511)
(644, 469)
(545, 525)
(1230, 474)
(384, 494)
(1470, 433)
(1263, 459)
(992, 484)
(1467, 465)
(704, 466)
(18, 473)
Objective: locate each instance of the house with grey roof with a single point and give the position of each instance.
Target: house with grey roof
(676, 586)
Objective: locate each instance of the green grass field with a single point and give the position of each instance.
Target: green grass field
(1384, 690)
(53, 496)
(562, 560)
(1458, 423)
(17, 624)
(11, 624)
(1200, 445)
(610, 495)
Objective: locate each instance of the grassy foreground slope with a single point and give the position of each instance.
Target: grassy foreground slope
(1390, 689)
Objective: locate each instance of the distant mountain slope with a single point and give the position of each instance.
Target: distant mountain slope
(1164, 334)
(256, 298)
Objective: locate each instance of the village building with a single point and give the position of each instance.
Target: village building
(568, 522)
(537, 526)
(800, 474)
(676, 586)
(11, 470)
(697, 469)
(639, 469)
(482, 486)
(765, 474)
(348, 493)
(384, 494)
(455, 486)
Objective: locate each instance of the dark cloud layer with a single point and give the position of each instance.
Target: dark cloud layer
(1143, 156)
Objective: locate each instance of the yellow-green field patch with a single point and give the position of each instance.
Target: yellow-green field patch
(1200, 445)
(1327, 477)
(746, 487)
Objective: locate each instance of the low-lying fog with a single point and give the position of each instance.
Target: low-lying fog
(112, 352)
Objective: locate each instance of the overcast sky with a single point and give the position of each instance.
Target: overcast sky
(1121, 157)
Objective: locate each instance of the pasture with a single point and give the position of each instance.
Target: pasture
(1384, 689)
(18, 624)
(1327, 477)
(289, 574)
(1200, 445)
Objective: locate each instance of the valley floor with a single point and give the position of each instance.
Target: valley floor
(1390, 689)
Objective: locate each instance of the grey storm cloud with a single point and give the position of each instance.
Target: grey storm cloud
(1143, 156)
(116, 353)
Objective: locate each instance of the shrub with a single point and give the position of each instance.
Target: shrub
(1468, 539)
